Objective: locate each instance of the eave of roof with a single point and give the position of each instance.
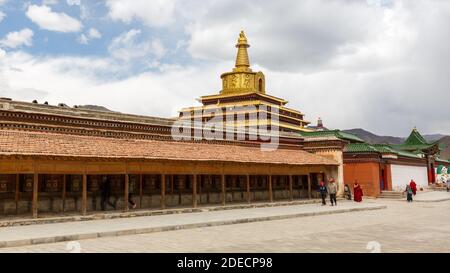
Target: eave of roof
(377, 148)
(26, 143)
(336, 133)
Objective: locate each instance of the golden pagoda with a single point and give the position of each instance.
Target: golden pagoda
(244, 89)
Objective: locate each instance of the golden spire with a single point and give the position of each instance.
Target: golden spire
(242, 61)
(242, 79)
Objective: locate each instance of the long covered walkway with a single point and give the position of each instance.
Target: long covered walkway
(58, 173)
(65, 193)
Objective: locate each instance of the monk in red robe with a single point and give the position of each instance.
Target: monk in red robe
(413, 186)
(357, 192)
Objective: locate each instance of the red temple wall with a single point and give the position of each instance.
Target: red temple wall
(367, 175)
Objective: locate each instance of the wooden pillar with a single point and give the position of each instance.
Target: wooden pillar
(224, 193)
(291, 193)
(248, 187)
(35, 195)
(17, 193)
(194, 190)
(201, 180)
(140, 191)
(270, 189)
(126, 192)
(84, 195)
(163, 191)
(64, 183)
(309, 186)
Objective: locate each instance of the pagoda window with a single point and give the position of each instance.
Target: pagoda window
(260, 83)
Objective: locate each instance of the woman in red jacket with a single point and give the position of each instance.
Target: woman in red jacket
(413, 186)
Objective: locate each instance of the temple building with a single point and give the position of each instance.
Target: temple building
(55, 159)
(416, 144)
(385, 167)
(243, 102)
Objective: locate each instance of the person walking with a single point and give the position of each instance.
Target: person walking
(332, 190)
(131, 187)
(409, 193)
(106, 193)
(347, 192)
(413, 186)
(357, 192)
(323, 192)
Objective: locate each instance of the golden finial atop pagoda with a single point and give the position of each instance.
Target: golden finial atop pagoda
(242, 79)
(242, 61)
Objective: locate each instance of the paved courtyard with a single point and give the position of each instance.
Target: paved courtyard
(402, 227)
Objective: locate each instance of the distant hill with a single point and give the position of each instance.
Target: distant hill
(433, 137)
(445, 141)
(373, 139)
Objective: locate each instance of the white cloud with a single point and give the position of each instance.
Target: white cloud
(381, 66)
(94, 33)
(73, 2)
(383, 60)
(2, 16)
(152, 13)
(90, 35)
(126, 47)
(18, 38)
(83, 39)
(53, 21)
(309, 34)
(75, 81)
(49, 2)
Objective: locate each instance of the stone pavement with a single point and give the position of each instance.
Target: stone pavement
(71, 231)
(402, 227)
(432, 196)
(45, 218)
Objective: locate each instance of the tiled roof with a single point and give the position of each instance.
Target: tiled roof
(50, 144)
(415, 143)
(336, 133)
(415, 138)
(377, 148)
(19, 106)
(360, 148)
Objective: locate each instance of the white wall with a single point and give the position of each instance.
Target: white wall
(402, 175)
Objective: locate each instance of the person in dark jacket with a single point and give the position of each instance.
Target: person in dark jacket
(347, 192)
(131, 193)
(323, 192)
(409, 193)
(106, 193)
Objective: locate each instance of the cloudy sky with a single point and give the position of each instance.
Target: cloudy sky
(382, 65)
